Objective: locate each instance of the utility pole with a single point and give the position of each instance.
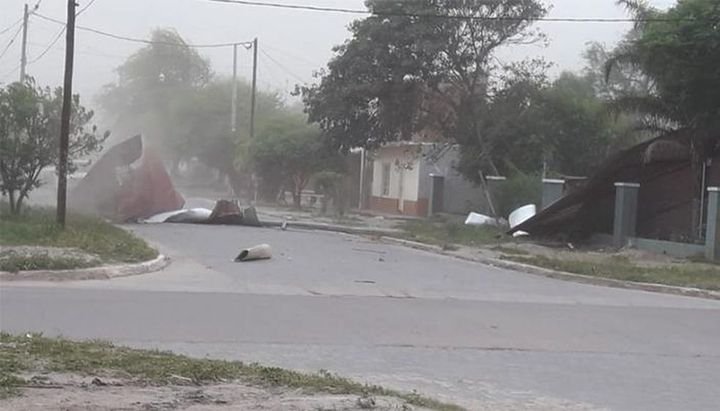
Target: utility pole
(66, 112)
(23, 58)
(233, 118)
(254, 88)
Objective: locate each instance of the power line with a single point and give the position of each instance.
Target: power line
(283, 68)
(87, 6)
(145, 41)
(10, 72)
(50, 46)
(305, 60)
(10, 43)
(11, 26)
(452, 16)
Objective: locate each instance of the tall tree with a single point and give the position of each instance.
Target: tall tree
(150, 82)
(418, 66)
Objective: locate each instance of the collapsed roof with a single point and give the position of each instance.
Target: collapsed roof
(661, 166)
(129, 182)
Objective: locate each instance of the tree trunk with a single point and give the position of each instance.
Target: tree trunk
(300, 183)
(697, 160)
(11, 198)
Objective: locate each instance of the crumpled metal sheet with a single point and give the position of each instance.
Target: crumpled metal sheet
(129, 182)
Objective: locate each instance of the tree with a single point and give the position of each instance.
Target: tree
(29, 129)
(167, 92)
(533, 126)
(150, 83)
(407, 71)
(679, 51)
(204, 130)
(624, 77)
(290, 151)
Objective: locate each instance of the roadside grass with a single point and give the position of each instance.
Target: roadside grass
(621, 268)
(35, 353)
(36, 227)
(13, 263)
(510, 250)
(449, 231)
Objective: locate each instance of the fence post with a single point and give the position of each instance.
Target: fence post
(553, 190)
(712, 237)
(626, 202)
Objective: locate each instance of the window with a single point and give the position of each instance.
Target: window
(386, 179)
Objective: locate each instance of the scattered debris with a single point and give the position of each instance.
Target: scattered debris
(98, 382)
(481, 219)
(366, 402)
(521, 215)
(225, 212)
(259, 252)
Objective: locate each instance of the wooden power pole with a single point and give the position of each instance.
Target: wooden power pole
(66, 112)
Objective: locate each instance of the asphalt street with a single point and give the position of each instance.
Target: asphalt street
(483, 337)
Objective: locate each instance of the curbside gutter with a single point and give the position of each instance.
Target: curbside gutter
(97, 273)
(332, 228)
(560, 275)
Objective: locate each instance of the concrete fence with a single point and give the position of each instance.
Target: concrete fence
(625, 223)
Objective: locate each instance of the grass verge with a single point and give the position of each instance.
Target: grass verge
(13, 263)
(447, 231)
(36, 227)
(39, 354)
(692, 275)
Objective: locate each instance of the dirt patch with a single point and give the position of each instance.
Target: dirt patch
(72, 392)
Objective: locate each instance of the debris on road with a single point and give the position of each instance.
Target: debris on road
(259, 252)
(225, 212)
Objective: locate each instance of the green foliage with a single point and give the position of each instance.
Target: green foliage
(289, 151)
(29, 130)
(399, 75)
(530, 125)
(332, 185)
(675, 51)
(109, 243)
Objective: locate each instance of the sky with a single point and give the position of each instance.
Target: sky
(293, 44)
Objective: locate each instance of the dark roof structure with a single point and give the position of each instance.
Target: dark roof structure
(661, 166)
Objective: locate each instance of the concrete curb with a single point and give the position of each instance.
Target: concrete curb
(97, 273)
(332, 228)
(560, 275)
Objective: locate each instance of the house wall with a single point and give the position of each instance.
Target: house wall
(460, 195)
(403, 196)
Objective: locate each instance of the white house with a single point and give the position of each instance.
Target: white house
(418, 179)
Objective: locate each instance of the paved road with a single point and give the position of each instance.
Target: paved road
(483, 337)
